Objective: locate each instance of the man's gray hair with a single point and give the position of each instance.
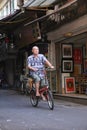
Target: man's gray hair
(35, 47)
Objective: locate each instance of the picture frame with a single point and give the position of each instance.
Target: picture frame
(69, 84)
(67, 50)
(67, 66)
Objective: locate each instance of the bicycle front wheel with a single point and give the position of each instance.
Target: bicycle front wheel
(50, 100)
(33, 98)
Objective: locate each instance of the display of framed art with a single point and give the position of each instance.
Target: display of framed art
(69, 85)
(67, 51)
(67, 66)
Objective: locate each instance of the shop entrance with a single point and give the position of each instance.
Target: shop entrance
(72, 65)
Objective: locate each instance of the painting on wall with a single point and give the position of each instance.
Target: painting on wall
(69, 84)
(67, 51)
(67, 66)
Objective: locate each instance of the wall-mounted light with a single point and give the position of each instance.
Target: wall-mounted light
(69, 34)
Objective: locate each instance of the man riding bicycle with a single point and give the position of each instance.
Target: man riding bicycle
(36, 65)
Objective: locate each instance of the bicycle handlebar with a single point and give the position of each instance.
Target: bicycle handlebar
(49, 69)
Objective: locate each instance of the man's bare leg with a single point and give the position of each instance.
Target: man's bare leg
(43, 97)
(37, 88)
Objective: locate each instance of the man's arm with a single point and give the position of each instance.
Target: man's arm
(49, 64)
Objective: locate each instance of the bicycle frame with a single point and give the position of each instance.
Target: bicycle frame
(44, 91)
(43, 88)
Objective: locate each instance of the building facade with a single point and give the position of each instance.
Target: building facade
(67, 31)
(60, 30)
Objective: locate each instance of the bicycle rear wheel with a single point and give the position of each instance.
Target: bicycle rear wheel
(33, 98)
(50, 100)
(22, 88)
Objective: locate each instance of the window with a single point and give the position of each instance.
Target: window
(8, 7)
(4, 11)
(1, 13)
(12, 6)
(15, 5)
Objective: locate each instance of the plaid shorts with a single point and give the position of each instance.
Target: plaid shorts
(43, 81)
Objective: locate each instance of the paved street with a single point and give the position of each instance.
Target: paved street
(16, 113)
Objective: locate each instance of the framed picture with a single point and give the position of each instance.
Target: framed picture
(85, 65)
(69, 84)
(67, 66)
(67, 51)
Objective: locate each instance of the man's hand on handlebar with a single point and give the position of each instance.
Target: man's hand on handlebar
(52, 67)
(35, 69)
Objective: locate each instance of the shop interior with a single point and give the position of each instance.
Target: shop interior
(76, 69)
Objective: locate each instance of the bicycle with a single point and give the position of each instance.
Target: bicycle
(45, 90)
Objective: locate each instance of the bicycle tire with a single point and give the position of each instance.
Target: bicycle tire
(50, 100)
(33, 98)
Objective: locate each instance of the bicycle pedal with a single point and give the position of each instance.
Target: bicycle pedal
(37, 97)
